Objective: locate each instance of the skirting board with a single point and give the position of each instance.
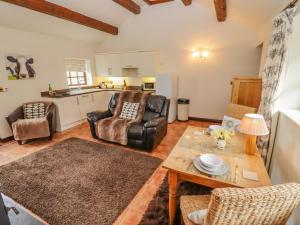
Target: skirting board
(205, 120)
(7, 139)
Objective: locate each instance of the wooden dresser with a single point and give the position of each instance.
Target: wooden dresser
(246, 91)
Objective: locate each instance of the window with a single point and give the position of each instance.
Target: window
(76, 78)
(77, 71)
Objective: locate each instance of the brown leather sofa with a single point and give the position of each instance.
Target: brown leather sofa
(35, 125)
(150, 132)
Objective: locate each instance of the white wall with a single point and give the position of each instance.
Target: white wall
(285, 162)
(48, 53)
(175, 30)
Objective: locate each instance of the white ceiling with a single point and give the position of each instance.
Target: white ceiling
(252, 13)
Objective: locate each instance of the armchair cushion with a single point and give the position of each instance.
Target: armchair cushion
(25, 129)
(34, 110)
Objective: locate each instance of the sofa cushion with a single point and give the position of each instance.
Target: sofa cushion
(129, 110)
(34, 110)
(136, 131)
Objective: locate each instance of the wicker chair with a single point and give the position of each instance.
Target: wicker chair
(250, 206)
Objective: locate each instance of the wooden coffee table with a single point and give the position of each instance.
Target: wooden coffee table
(180, 164)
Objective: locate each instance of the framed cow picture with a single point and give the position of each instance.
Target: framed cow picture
(19, 67)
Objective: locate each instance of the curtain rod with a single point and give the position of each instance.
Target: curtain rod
(291, 5)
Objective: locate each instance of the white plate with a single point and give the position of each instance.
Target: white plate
(211, 160)
(211, 169)
(223, 169)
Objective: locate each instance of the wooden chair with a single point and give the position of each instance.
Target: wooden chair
(238, 111)
(260, 206)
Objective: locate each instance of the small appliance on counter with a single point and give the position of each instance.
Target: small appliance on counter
(106, 85)
(149, 86)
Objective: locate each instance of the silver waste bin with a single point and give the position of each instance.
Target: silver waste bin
(183, 105)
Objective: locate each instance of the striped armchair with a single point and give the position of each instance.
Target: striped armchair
(250, 206)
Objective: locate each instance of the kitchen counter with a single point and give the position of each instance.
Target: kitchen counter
(75, 92)
(70, 93)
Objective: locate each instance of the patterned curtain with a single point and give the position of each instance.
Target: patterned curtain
(274, 74)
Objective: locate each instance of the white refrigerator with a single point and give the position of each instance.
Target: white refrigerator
(167, 85)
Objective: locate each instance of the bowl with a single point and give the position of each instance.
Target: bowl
(211, 160)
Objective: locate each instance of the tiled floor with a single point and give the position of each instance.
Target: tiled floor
(133, 213)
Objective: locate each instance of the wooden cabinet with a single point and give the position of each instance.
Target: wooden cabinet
(127, 64)
(246, 91)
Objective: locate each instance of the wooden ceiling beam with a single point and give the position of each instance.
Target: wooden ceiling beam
(153, 2)
(130, 5)
(187, 2)
(221, 11)
(52, 9)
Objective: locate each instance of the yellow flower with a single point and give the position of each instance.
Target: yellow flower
(222, 134)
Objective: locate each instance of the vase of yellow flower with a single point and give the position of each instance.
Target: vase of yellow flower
(221, 136)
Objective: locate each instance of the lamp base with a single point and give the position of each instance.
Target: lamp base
(251, 144)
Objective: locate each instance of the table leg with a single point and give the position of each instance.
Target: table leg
(173, 181)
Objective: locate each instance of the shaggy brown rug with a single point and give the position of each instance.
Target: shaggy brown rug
(77, 182)
(157, 212)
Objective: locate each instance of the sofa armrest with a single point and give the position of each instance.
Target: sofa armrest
(51, 118)
(155, 131)
(93, 117)
(155, 122)
(15, 115)
(98, 115)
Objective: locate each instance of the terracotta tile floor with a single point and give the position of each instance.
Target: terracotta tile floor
(133, 213)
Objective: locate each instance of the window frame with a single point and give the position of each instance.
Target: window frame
(69, 78)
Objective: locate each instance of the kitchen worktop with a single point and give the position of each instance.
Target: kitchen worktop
(74, 92)
(70, 93)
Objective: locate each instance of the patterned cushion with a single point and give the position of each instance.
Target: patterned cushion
(34, 110)
(231, 123)
(129, 110)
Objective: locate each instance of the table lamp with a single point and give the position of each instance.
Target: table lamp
(253, 125)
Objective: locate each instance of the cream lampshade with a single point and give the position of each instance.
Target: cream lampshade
(253, 125)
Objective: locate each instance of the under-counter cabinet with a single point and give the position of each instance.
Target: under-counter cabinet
(71, 111)
(86, 104)
(68, 112)
(101, 100)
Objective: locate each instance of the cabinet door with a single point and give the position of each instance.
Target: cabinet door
(101, 65)
(68, 112)
(85, 104)
(114, 65)
(100, 102)
(130, 60)
(148, 64)
(108, 65)
(246, 92)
